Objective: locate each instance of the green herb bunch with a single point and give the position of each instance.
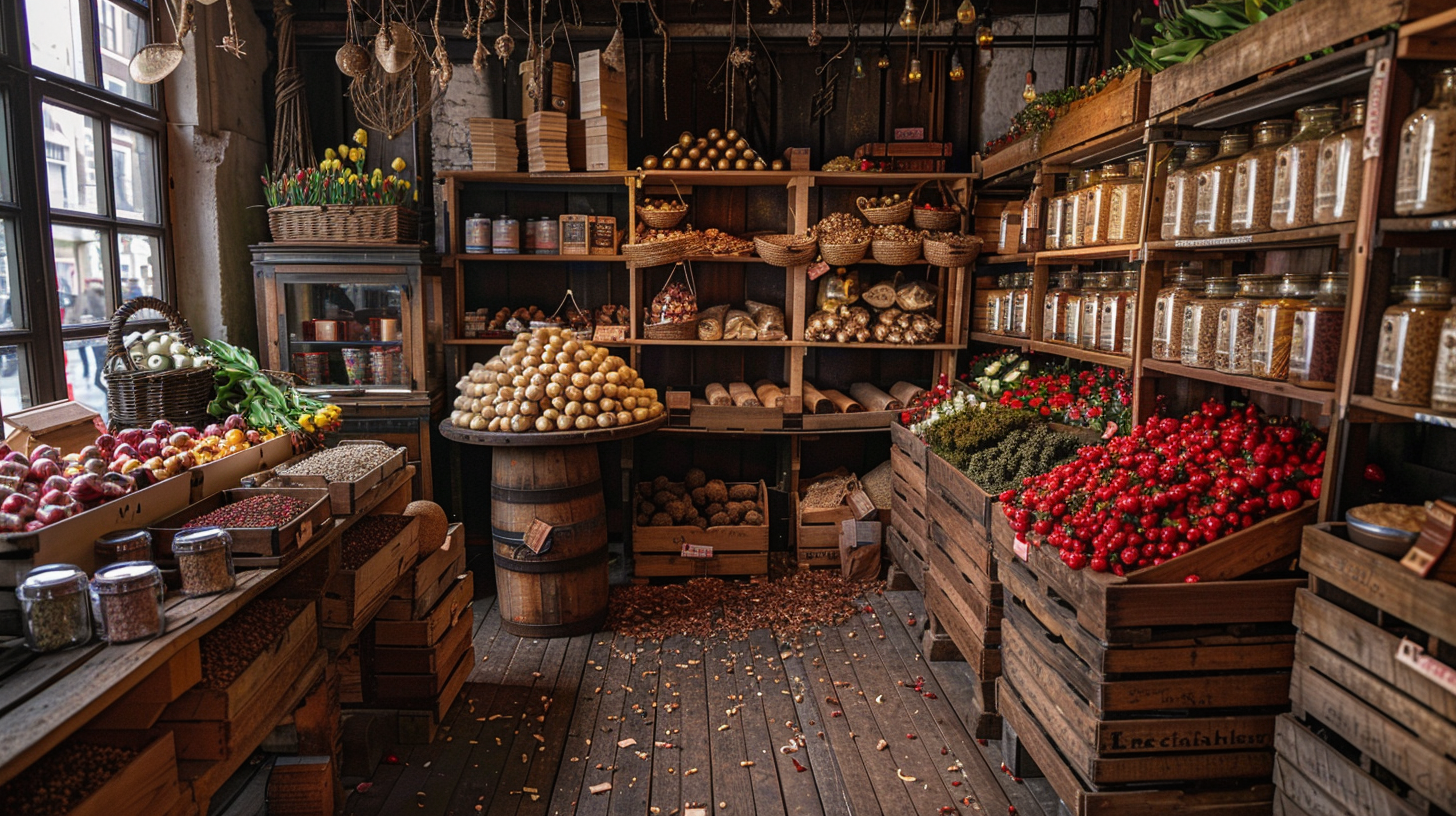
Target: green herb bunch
(958, 436)
(1184, 31)
(1020, 454)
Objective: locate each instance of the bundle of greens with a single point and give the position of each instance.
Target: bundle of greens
(956, 437)
(1185, 30)
(1020, 454)
(243, 387)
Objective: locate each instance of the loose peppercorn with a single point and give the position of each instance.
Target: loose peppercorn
(267, 510)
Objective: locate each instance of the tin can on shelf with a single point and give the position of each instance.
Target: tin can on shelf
(312, 366)
(505, 236)
(356, 366)
(386, 365)
(548, 236)
(477, 234)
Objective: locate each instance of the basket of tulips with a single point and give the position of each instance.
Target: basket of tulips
(339, 200)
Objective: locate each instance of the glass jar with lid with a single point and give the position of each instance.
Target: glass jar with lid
(1235, 351)
(1314, 346)
(127, 601)
(1021, 306)
(1294, 167)
(1055, 212)
(1274, 325)
(1099, 204)
(1253, 190)
(1031, 233)
(1008, 300)
(1112, 324)
(1200, 322)
(1125, 212)
(1072, 219)
(1443, 381)
(1341, 169)
(1077, 285)
(1131, 283)
(1178, 289)
(123, 545)
(1425, 176)
(1090, 329)
(205, 560)
(55, 610)
(1180, 195)
(1054, 305)
(1406, 358)
(995, 305)
(1215, 182)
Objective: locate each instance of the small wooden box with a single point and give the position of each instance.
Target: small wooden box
(602, 91)
(301, 786)
(726, 550)
(816, 533)
(146, 786)
(352, 597)
(270, 671)
(415, 672)
(343, 496)
(429, 580)
(428, 630)
(264, 541)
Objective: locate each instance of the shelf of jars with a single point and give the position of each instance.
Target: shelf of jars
(532, 258)
(1279, 388)
(1112, 252)
(1336, 234)
(1445, 222)
(1377, 410)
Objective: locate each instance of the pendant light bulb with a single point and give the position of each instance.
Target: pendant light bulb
(915, 75)
(909, 20)
(884, 61)
(966, 13)
(984, 37)
(957, 71)
(859, 72)
(1029, 92)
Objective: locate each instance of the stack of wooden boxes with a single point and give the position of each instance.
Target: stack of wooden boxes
(546, 143)
(909, 531)
(493, 145)
(603, 105)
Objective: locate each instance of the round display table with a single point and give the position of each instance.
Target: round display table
(559, 587)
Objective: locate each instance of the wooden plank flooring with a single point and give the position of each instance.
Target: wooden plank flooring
(693, 728)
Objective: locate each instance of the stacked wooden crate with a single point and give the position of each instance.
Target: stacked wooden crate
(493, 145)
(603, 107)
(962, 594)
(546, 143)
(1147, 694)
(907, 538)
(1373, 728)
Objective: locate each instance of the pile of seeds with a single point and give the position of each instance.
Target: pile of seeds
(347, 463)
(231, 648)
(63, 779)
(267, 510)
(706, 607)
(368, 537)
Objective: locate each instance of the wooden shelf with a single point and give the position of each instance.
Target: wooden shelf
(506, 341)
(683, 429)
(884, 346)
(720, 178)
(1414, 413)
(1078, 353)
(1322, 235)
(1125, 252)
(605, 177)
(1423, 223)
(999, 339)
(491, 257)
(724, 343)
(855, 178)
(994, 260)
(1324, 399)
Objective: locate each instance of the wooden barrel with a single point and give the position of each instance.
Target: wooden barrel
(561, 591)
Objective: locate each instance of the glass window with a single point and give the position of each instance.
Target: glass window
(140, 260)
(59, 39)
(14, 395)
(6, 194)
(81, 266)
(70, 152)
(122, 34)
(84, 362)
(134, 174)
(12, 309)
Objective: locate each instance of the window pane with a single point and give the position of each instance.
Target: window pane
(140, 259)
(12, 309)
(122, 34)
(5, 160)
(14, 393)
(58, 37)
(134, 174)
(81, 275)
(84, 360)
(70, 152)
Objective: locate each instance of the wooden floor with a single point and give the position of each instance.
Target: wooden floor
(687, 727)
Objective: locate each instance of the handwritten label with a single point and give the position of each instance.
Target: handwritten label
(697, 551)
(609, 334)
(817, 270)
(538, 536)
(1375, 103)
(1432, 669)
(1021, 548)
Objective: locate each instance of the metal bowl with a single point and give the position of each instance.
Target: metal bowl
(1388, 541)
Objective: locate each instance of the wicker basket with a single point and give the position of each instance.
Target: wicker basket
(687, 330)
(136, 398)
(661, 219)
(894, 253)
(940, 253)
(939, 220)
(785, 250)
(659, 253)
(344, 224)
(844, 254)
(895, 214)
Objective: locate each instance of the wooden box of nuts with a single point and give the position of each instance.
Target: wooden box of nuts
(279, 530)
(419, 588)
(356, 592)
(343, 476)
(717, 549)
(146, 784)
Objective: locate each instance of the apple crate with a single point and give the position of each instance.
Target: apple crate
(687, 551)
(261, 541)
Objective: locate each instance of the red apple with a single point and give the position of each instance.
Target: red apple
(52, 513)
(148, 448)
(130, 436)
(41, 469)
(33, 525)
(190, 430)
(254, 438)
(162, 428)
(235, 422)
(106, 442)
(45, 452)
(18, 504)
(60, 483)
(91, 452)
(214, 430)
(124, 451)
(10, 523)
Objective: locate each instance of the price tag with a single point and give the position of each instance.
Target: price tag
(1434, 670)
(1376, 101)
(609, 334)
(697, 551)
(860, 503)
(538, 536)
(305, 531)
(1021, 548)
(817, 270)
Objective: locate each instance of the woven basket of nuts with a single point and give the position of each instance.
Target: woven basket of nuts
(660, 214)
(843, 239)
(896, 244)
(785, 250)
(893, 209)
(951, 249)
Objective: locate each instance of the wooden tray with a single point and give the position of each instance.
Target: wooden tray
(264, 541)
(533, 438)
(221, 474)
(353, 597)
(146, 786)
(428, 630)
(344, 496)
(71, 541)
(274, 668)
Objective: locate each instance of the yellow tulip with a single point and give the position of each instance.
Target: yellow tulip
(398, 164)
(355, 154)
(361, 138)
(417, 195)
(377, 174)
(344, 150)
(329, 153)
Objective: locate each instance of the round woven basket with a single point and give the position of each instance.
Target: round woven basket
(895, 214)
(892, 253)
(662, 219)
(940, 253)
(137, 398)
(785, 250)
(658, 253)
(942, 220)
(687, 330)
(844, 254)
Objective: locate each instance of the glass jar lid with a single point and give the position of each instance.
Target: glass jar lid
(1272, 130)
(1129, 279)
(201, 539)
(1199, 152)
(127, 576)
(1298, 285)
(124, 540)
(51, 581)
(1220, 287)
(1091, 176)
(1427, 289)
(1074, 180)
(1232, 143)
(1186, 272)
(1114, 170)
(1135, 168)
(1257, 284)
(1356, 115)
(1332, 288)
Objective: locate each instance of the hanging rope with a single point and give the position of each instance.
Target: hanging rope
(292, 136)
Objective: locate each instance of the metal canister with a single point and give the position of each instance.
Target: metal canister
(477, 234)
(531, 231)
(548, 236)
(505, 236)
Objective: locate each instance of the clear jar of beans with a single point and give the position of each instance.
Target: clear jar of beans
(1341, 169)
(123, 545)
(1274, 325)
(1054, 306)
(1235, 351)
(127, 599)
(1215, 182)
(1294, 167)
(205, 559)
(1425, 176)
(1409, 332)
(1072, 219)
(1168, 310)
(1314, 346)
(55, 611)
(1253, 187)
(1200, 322)
(1180, 191)
(1099, 204)
(1443, 383)
(1056, 212)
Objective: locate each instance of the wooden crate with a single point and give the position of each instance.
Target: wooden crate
(140, 708)
(904, 556)
(424, 584)
(353, 597)
(301, 786)
(344, 497)
(975, 642)
(146, 786)
(967, 603)
(263, 541)
(907, 515)
(816, 533)
(908, 456)
(602, 91)
(438, 703)
(428, 630)
(351, 676)
(949, 491)
(736, 550)
(402, 672)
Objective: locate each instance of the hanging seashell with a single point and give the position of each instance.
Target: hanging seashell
(352, 60)
(615, 54)
(504, 46)
(394, 47)
(154, 62)
(443, 70)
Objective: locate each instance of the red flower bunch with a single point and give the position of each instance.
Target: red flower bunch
(1099, 397)
(1169, 487)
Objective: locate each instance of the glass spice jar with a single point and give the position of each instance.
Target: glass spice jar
(1168, 306)
(1200, 322)
(123, 545)
(995, 304)
(1125, 212)
(1056, 209)
(1215, 182)
(1112, 323)
(1021, 306)
(127, 601)
(205, 559)
(1314, 346)
(1008, 298)
(1341, 169)
(1130, 282)
(1253, 188)
(1054, 305)
(55, 610)
(1409, 331)
(1099, 204)
(1443, 381)
(1274, 326)
(1072, 319)
(1030, 223)
(1294, 167)
(1090, 329)
(1180, 193)
(1073, 219)
(1235, 351)
(1425, 176)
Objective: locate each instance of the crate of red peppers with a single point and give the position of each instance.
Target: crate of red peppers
(263, 521)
